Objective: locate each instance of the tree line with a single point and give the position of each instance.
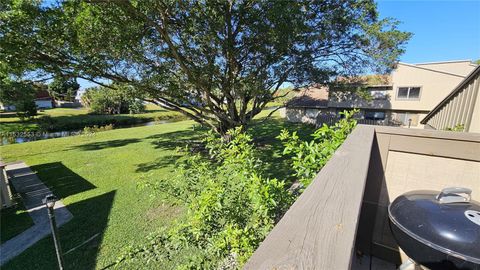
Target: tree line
(217, 62)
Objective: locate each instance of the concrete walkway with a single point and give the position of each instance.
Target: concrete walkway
(32, 191)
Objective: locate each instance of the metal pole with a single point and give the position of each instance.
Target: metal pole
(409, 122)
(56, 240)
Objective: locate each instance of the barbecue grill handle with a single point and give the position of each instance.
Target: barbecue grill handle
(453, 195)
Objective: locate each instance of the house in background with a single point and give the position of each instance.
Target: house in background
(420, 87)
(307, 104)
(7, 107)
(405, 96)
(42, 100)
(460, 110)
(370, 94)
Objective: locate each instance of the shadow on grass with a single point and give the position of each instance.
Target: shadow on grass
(80, 238)
(62, 181)
(14, 220)
(77, 235)
(82, 235)
(159, 163)
(105, 144)
(8, 115)
(264, 135)
(270, 148)
(172, 140)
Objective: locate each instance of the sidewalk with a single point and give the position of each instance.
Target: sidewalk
(32, 191)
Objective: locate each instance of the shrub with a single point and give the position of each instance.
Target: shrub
(308, 157)
(18, 93)
(231, 207)
(457, 128)
(47, 123)
(26, 109)
(96, 128)
(119, 100)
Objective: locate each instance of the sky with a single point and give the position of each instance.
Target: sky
(442, 30)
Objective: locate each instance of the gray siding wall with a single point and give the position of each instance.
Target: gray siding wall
(460, 109)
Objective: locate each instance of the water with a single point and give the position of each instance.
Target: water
(23, 137)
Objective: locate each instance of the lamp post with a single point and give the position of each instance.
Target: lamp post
(49, 202)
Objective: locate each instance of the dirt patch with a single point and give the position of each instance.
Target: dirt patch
(163, 211)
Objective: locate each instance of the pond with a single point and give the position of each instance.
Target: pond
(23, 137)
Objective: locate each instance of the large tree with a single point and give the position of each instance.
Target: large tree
(218, 62)
(63, 88)
(20, 94)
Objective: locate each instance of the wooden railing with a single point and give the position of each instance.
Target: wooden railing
(332, 119)
(343, 213)
(318, 231)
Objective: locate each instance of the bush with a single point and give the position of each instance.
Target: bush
(231, 207)
(26, 109)
(308, 157)
(457, 128)
(96, 128)
(120, 100)
(18, 93)
(46, 123)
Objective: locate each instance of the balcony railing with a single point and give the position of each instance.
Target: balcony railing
(331, 119)
(340, 221)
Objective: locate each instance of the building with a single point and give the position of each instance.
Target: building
(42, 100)
(405, 96)
(460, 110)
(307, 104)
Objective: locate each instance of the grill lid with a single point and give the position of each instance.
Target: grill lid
(447, 221)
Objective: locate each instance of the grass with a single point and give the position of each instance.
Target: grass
(61, 119)
(14, 220)
(96, 177)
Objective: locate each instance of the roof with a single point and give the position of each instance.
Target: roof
(42, 94)
(431, 69)
(311, 97)
(444, 62)
(369, 80)
(472, 75)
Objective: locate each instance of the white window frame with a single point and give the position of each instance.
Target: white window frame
(408, 93)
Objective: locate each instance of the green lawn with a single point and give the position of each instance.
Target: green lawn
(77, 118)
(97, 176)
(14, 220)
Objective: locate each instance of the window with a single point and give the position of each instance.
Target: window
(379, 92)
(379, 95)
(408, 93)
(402, 92)
(375, 115)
